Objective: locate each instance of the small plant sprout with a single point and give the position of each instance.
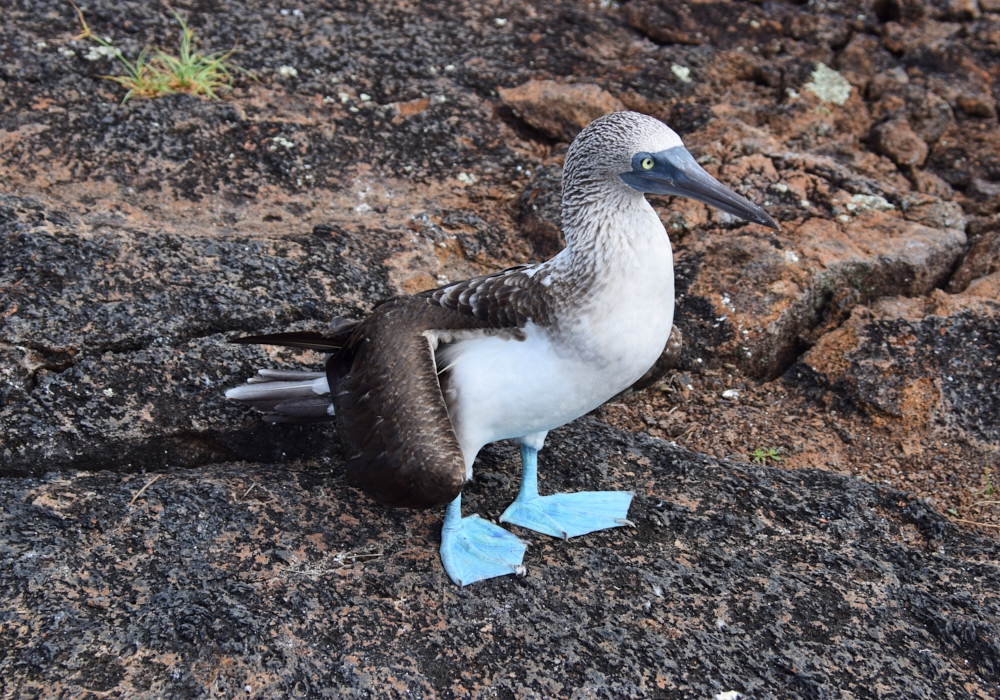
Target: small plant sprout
(987, 480)
(156, 73)
(762, 454)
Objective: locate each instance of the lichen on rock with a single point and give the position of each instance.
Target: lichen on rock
(828, 85)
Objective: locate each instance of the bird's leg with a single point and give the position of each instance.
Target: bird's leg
(563, 514)
(473, 549)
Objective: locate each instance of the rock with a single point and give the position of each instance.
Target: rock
(889, 82)
(539, 215)
(773, 300)
(813, 29)
(985, 193)
(893, 11)
(929, 365)
(111, 365)
(561, 111)
(931, 184)
(987, 287)
(982, 257)
(965, 153)
(963, 10)
(919, 38)
(144, 235)
(855, 61)
(665, 22)
(288, 582)
(757, 301)
(929, 114)
(978, 106)
(898, 141)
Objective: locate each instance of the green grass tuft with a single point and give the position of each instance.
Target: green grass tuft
(156, 73)
(762, 454)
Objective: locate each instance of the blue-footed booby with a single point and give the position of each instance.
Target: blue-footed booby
(425, 381)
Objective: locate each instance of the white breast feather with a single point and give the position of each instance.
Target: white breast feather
(501, 387)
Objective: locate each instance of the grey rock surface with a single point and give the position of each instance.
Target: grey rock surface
(114, 341)
(267, 581)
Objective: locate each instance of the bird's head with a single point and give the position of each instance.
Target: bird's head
(635, 151)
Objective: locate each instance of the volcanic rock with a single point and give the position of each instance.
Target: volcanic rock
(240, 579)
(928, 364)
(896, 139)
(561, 111)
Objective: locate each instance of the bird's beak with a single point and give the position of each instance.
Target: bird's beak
(677, 173)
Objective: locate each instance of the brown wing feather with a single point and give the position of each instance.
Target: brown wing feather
(399, 441)
(506, 299)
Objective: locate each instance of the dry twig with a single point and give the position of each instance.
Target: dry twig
(143, 489)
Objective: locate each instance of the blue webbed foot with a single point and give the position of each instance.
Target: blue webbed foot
(564, 514)
(570, 514)
(473, 549)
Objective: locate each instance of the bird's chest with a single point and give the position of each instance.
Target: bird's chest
(502, 387)
(624, 324)
(606, 329)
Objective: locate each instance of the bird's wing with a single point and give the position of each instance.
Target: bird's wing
(506, 299)
(398, 437)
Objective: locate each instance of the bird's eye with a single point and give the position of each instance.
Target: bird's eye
(647, 163)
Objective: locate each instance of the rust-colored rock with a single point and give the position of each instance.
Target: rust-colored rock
(983, 106)
(560, 110)
(898, 141)
(771, 298)
(987, 287)
(665, 22)
(756, 300)
(929, 183)
(855, 61)
(890, 361)
(963, 10)
(983, 256)
(967, 152)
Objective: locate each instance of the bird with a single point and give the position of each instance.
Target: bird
(426, 380)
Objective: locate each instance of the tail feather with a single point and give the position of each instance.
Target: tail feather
(283, 375)
(307, 340)
(331, 341)
(269, 391)
(277, 418)
(317, 407)
(287, 396)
